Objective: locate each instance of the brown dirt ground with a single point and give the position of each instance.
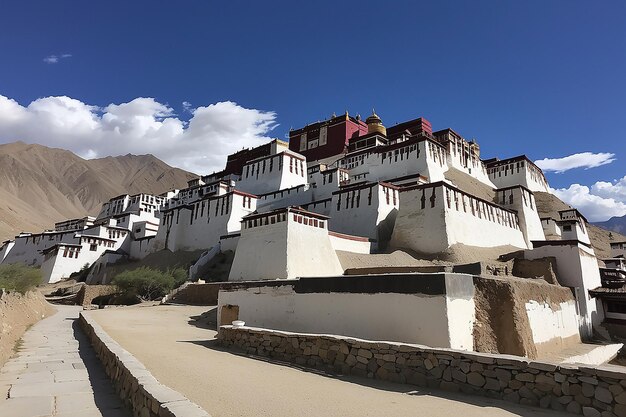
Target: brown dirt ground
(502, 324)
(17, 313)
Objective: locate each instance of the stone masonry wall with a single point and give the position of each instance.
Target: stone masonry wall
(134, 384)
(598, 391)
(87, 293)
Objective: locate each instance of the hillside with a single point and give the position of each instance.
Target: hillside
(40, 186)
(616, 224)
(549, 205)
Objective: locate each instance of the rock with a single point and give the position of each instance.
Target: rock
(525, 377)
(525, 392)
(588, 379)
(574, 389)
(437, 372)
(476, 379)
(428, 364)
(545, 401)
(351, 360)
(492, 384)
(365, 353)
(616, 389)
(590, 412)
(458, 375)
(566, 399)
(621, 398)
(619, 410)
(511, 397)
(465, 367)
(543, 379)
(573, 408)
(515, 384)
(559, 377)
(587, 390)
(604, 395)
(503, 375)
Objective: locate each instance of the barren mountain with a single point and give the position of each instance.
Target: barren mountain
(40, 186)
(616, 224)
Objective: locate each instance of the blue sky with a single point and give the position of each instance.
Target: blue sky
(541, 78)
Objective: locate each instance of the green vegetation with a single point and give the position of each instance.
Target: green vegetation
(18, 277)
(148, 284)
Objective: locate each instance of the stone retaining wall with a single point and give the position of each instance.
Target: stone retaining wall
(197, 294)
(87, 293)
(135, 385)
(598, 391)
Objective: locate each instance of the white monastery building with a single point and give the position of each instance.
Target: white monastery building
(343, 185)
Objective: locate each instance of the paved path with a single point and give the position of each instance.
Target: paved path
(56, 373)
(182, 354)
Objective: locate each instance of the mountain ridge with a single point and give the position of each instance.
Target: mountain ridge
(40, 185)
(615, 224)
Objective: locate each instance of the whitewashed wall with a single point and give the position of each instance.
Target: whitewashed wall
(284, 250)
(27, 248)
(354, 212)
(577, 266)
(201, 225)
(551, 230)
(352, 244)
(261, 254)
(309, 251)
(451, 217)
(552, 328)
(526, 174)
(437, 321)
(287, 170)
(523, 202)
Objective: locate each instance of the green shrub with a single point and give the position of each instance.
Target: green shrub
(18, 277)
(180, 276)
(146, 283)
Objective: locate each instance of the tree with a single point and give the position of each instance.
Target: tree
(145, 283)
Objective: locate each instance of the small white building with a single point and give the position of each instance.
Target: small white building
(272, 173)
(284, 244)
(200, 225)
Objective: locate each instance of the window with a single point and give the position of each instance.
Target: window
(616, 307)
(567, 228)
(93, 248)
(323, 135)
(303, 140)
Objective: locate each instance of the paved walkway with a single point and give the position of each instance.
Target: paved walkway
(56, 373)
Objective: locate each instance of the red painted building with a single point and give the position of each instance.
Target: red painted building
(326, 139)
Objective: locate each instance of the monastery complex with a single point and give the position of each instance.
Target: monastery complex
(315, 225)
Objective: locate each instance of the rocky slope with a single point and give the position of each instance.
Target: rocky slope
(40, 186)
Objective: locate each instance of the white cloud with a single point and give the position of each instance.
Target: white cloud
(615, 189)
(53, 59)
(579, 160)
(140, 126)
(595, 207)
